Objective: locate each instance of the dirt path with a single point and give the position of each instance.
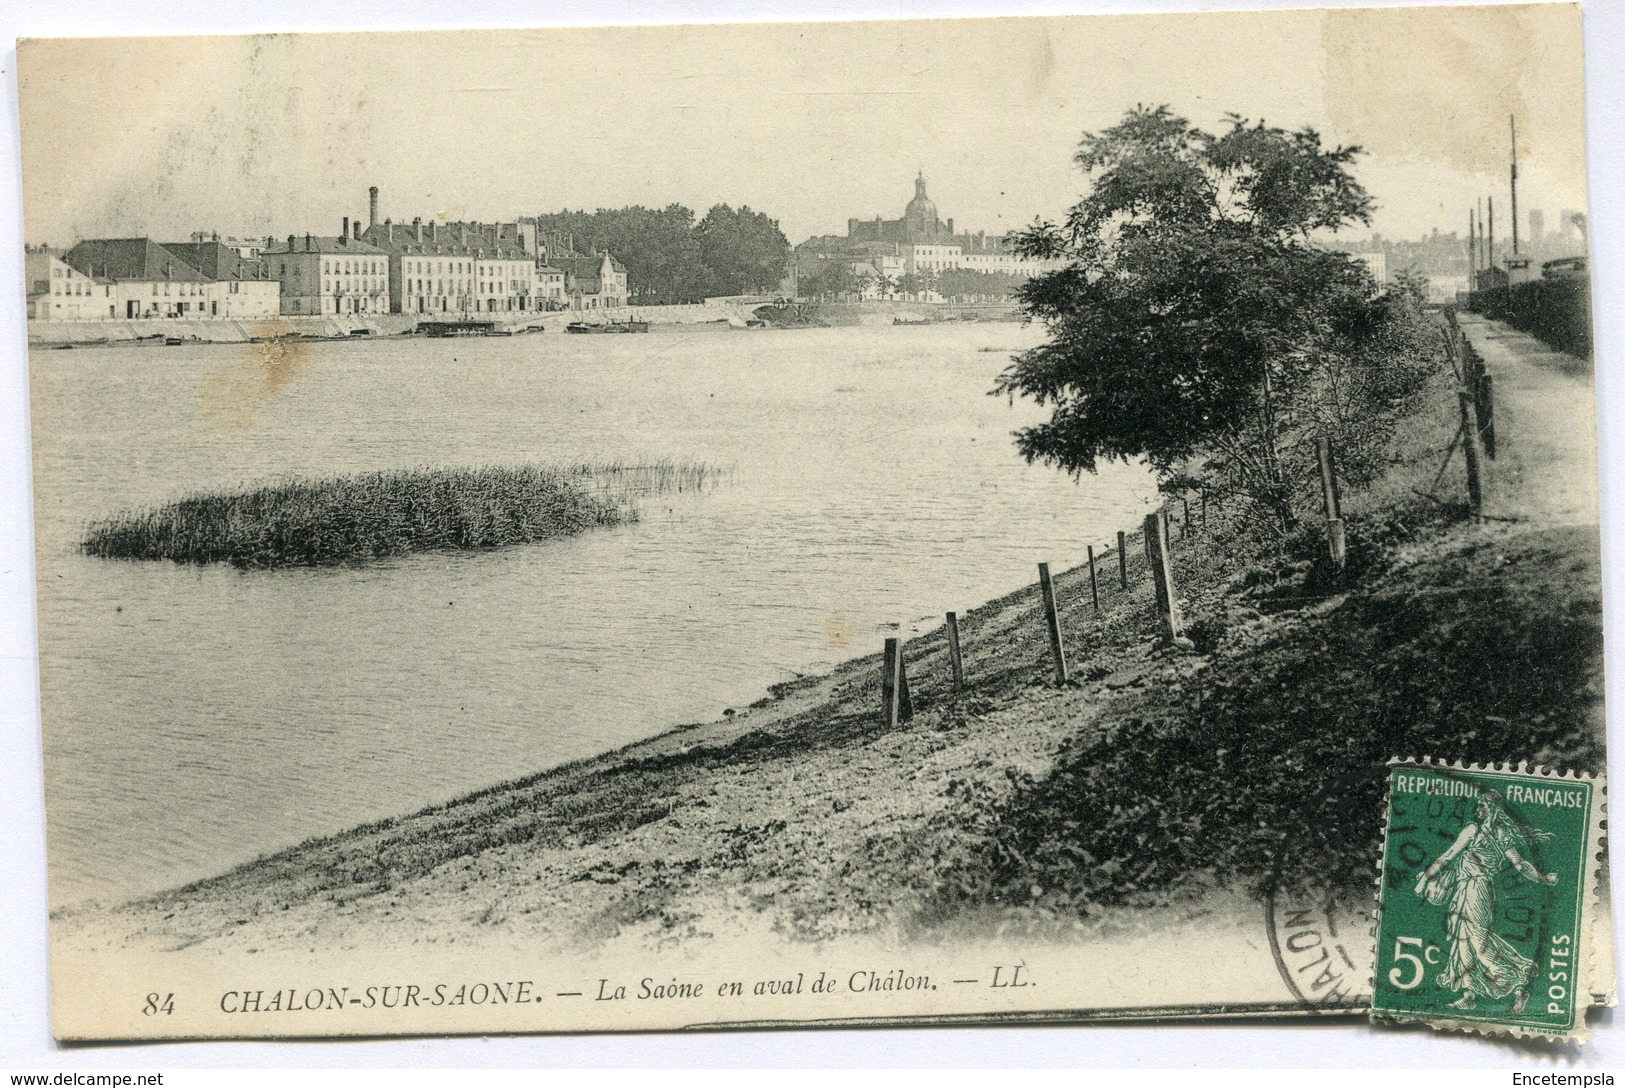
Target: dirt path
(1545, 471)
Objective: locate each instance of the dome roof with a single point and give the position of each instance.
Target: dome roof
(920, 209)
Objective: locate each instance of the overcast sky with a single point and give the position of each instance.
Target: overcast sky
(811, 123)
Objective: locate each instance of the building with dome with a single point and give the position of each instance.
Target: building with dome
(919, 222)
(881, 250)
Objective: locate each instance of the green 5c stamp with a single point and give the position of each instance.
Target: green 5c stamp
(1486, 891)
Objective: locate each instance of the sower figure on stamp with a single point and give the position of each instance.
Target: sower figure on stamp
(1482, 963)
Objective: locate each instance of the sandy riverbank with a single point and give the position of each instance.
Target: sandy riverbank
(1156, 789)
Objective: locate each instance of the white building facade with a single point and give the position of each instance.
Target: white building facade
(330, 277)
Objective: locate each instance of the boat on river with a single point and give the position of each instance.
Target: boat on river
(607, 326)
(465, 327)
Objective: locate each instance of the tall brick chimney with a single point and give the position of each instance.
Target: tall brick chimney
(372, 197)
(344, 235)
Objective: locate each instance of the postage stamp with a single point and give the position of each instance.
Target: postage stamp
(1486, 899)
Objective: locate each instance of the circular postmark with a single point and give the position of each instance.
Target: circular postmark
(1322, 948)
(1319, 936)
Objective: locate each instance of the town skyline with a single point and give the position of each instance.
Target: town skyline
(276, 141)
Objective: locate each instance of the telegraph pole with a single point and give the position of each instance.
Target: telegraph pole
(1481, 249)
(1513, 121)
(1472, 251)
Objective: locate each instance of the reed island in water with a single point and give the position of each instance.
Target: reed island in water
(377, 515)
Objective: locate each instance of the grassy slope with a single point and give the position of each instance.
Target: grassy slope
(1152, 779)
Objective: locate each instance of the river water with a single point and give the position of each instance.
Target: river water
(199, 717)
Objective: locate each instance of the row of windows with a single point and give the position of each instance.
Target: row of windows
(417, 265)
(433, 266)
(331, 267)
(74, 288)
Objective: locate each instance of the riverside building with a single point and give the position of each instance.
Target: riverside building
(461, 267)
(57, 291)
(595, 282)
(323, 276)
(138, 279)
(918, 242)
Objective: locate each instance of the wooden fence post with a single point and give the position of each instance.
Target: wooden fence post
(895, 703)
(905, 701)
(1156, 546)
(1186, 530)
(954, 660)
(1053, 619)
(1094, 586)
(1486, 412)
(1470, 447)
(1122, 558)
(1336, 542)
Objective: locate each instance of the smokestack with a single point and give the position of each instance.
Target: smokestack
(417, 227)
(372, 198)
(358, 230)
(344, 235)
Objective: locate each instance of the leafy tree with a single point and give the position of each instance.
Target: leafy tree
(743, 251)
(1195, 323)
(832, 281)
(909, 284)
(657, 246)
(670, 258)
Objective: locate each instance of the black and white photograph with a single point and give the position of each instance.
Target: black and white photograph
(913, 521)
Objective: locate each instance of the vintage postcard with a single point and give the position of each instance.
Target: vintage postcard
(881, 522)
